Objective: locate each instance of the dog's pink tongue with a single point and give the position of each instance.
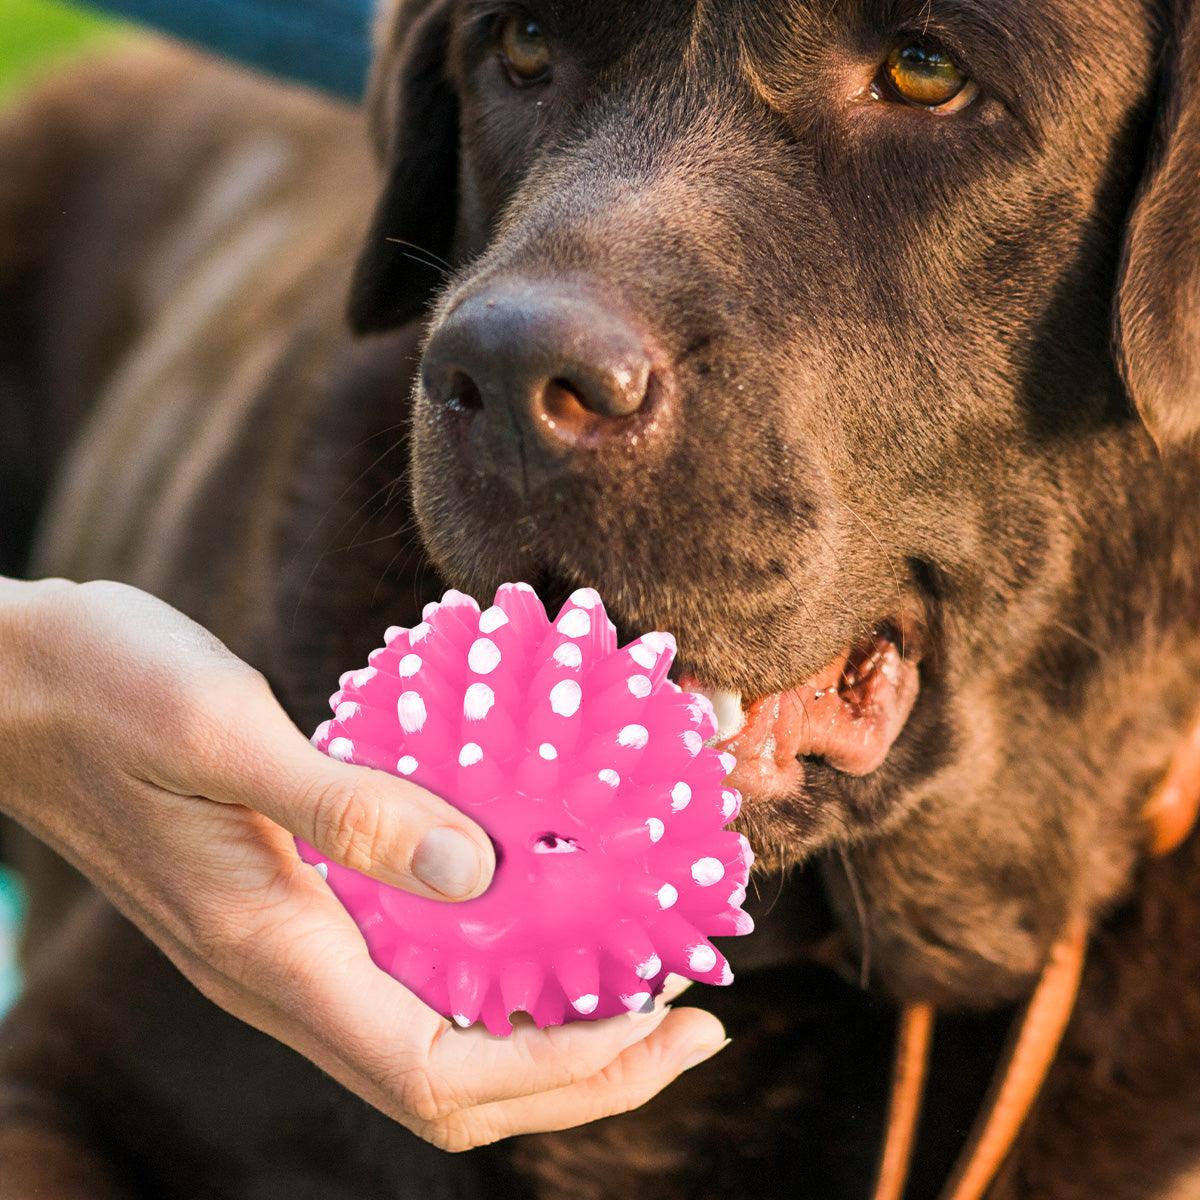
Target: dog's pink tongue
(848, 714)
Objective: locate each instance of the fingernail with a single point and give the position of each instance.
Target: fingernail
(448, 862)
(702, 1055)
(673, 987)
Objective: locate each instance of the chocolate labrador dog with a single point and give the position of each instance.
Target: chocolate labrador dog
(859, 346)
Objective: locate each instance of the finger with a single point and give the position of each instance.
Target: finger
(321, 976)
(367, 820)
(687, 1037)
(533, 1060)
(385, 827)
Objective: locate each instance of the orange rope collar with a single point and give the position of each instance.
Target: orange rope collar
(1171, 813)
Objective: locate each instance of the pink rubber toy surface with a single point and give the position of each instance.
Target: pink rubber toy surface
(587, 768)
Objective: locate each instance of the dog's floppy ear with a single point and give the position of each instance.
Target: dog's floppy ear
(1158, 299)
(414, 119)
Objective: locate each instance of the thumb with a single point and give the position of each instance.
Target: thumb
(389, 829)
(368, 820)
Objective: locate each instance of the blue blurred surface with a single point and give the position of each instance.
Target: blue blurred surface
(322, 43)
(12, 906)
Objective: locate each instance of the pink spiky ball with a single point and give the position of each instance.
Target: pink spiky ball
(587, 767)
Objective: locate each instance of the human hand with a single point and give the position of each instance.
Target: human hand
(160, 765)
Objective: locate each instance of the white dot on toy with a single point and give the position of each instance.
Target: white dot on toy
(635, 736)
(491, 620)
(707, 871)
(645, 656)
(484, 656)
(587, 767)
(569, 655)
(565, 698)
(478, 701)
(452, 599)
(410, 708)
(651, 967)
(575, 624)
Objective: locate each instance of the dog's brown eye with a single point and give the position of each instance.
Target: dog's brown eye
(525, 49)
(928, 77)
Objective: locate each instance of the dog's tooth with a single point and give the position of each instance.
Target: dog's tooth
(727, 708)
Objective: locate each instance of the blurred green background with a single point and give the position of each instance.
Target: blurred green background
(35, 34)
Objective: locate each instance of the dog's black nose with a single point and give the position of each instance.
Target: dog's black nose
(539, 369)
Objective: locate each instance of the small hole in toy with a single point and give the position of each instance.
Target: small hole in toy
(552, 843)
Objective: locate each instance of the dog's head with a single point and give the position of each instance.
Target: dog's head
(789, 327)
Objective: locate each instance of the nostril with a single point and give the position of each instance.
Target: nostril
(447, 385)
(571, 412)
(463, 393)
(606, 384)
(562, 401)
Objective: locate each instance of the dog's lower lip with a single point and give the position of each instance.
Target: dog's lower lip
(848, 715)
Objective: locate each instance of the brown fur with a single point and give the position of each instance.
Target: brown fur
(896, 388)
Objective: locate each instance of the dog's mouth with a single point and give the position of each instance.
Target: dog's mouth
(848, 715)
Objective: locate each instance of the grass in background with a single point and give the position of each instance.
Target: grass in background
(35, 34)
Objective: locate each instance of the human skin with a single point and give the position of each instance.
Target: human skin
(160, 765)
